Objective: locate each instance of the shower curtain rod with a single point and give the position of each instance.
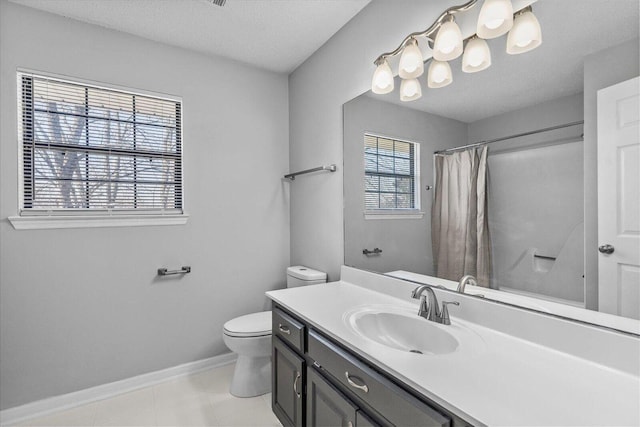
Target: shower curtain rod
(533, 132)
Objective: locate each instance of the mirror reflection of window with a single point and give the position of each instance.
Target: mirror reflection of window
(391, 174)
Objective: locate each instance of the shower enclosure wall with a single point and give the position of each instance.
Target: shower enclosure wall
(536, 217)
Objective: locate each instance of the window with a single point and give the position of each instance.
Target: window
(91, 150)
(391, 175)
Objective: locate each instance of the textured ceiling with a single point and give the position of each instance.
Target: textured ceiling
(277, 35)
(571, 29)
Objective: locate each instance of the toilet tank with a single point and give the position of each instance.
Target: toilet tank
(300, 275)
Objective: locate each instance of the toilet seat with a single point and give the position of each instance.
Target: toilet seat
(250, 325)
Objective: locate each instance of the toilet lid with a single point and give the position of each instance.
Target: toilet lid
(250, 325)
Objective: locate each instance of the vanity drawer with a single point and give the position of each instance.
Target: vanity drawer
(288, 329)
(390, 401)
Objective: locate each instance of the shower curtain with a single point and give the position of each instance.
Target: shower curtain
(459, 220)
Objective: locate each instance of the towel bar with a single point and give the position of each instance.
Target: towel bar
(552, 258)
(165, 272)
(375, 251)
(330, 168)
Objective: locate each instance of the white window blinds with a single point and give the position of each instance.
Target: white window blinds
(390, 174)
(87, 148)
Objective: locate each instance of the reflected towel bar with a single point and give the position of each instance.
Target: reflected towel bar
(330, 168)
(183, 270)
(375, 251)
(544, 257)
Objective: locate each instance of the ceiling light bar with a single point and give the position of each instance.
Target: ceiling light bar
(496, 18)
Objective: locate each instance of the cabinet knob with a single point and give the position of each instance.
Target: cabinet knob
(284, 329)
(353, 384)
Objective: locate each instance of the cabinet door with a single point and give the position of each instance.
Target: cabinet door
(287, 385)
(363, 420)
(326, 406)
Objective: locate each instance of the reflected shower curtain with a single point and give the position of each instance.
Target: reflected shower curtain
(459, 218)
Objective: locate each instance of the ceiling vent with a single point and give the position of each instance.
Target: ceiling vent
(217, 2)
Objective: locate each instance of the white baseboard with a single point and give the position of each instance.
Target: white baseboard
(63, 402)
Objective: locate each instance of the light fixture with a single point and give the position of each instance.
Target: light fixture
(411, 61)
(439, 74)
(410, 90)
(525, 34)
(448, 42)
(444, 36)
(477, 56)
(496, 18)
(382, 81)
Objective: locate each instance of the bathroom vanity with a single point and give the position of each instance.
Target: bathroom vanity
(355, 353)
(316, 381)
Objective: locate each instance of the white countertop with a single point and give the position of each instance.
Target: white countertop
(504, 381)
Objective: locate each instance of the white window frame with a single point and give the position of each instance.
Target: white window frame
(398, 213)
(85, 218)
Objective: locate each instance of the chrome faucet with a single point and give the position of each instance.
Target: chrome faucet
(429, 305)
(463, 282)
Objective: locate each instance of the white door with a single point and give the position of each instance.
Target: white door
(619, 199)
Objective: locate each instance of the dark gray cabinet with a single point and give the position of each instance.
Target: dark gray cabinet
(317, 382)
(289, 330)
(363, 421)
(376, 393)
(288, 372)
(326, 406)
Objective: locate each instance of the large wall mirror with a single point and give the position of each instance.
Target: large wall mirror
(537, 115)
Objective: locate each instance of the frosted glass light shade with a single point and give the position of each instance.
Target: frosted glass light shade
(448, 42)
(525, 34)
(496, 18)
(411, 62)
(477, 56)
(382, 81)
(410, 90)
(439, 74)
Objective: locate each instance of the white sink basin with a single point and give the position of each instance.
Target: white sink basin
(408, 333)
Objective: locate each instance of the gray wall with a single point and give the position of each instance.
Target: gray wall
(405, 243)
(338, 72)
(536, 198)
(601, 69)
(82, 307)
(551, 113)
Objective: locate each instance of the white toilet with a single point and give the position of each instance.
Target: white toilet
(250, 337)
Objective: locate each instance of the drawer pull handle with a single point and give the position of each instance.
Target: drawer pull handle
(295, 385)
(284, 329)
(362, 387)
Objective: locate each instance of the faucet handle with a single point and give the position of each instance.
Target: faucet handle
(446, 320)
(424, 309)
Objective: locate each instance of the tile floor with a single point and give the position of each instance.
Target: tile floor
(200, 399)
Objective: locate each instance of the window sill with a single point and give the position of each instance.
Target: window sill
(394, 215)
(38, 222)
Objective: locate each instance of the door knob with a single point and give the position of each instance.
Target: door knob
(606, 249)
